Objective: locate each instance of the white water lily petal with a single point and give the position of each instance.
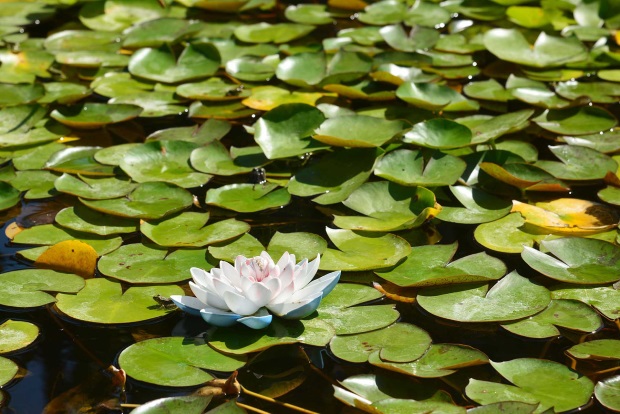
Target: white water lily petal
(239, 304)
(274, 285)
(200, 276)
(230, 273)
(259, 320)
(324, 284)
(188, 304)
(258, 293)
(285, 293)
(288, 308)
(218, 317)
(285, 260)
(306, 273)
(199, 292)
(216, 301)
(221, 286)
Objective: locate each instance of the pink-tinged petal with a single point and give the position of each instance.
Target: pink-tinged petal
(200, 276)
(258, 293)
(324, 284)
(239, 261)
(247, 272)
(267, 257)
(221, 286)
(217, 317)
(285, 259)
(188, 304)
(298, 309)
(230, 273)
(239, 304)
(199, 292)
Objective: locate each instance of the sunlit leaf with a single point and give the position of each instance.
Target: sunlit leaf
(29, 288)
(70, 256)
(16, 335)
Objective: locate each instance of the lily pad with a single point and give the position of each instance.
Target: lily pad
(20, 94)
(28, 288)
(94, 188)
(485, 129)
(577, 260)
(535, 381)
(143, 264)
(338, 310)
(16, 335)
(308, 14)
(190, 229)
(104, 302)
(219, 110)
(607, 393)
(8, 370)
(417, 168)
(266, 98)
(388, 207)
(439, 133)
(419, 38)
(151, 200)
(285, 131)
(440, 360)
(434, 97)
(253, 68)
(154, 103)
(335, 176)
(197, 61)
(358, 251)
(478, 207)
(94, 115)
(576, 121)
(9, 196)
(84, 219)
(209, 131)
(604, 299)
(163, 161)
(78, 160)
(246, 245)
(189, 404)
(431, 265)
(357, 131)
(400, 342)
(577, 163)
(248, 198)
(183, 359)
(158, 32)
(512, 297)
(272, 33)
(568, 314)
(548, 51)
(213, 89)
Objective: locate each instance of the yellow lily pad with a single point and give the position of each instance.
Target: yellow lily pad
(71, 256)
(266, 98)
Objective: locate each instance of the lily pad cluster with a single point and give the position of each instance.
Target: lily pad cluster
(420, 148)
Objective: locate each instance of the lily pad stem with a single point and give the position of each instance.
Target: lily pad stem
(250, 408)
(280, 403)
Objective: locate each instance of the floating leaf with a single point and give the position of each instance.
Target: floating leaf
(607, 393)
(246, 245)
(400, 342)
(189, 404)
(163, 161)
(439, 133)
(357, 131)
(151, 200)
(440, 360)
(70, 256)
(84, 219)
(16, 335)
(27, 288)
(300, 244)
(195, 62)
(577, 260)
(183, 359)
(434, 97)
(308, 14)
(141, 264)
(95, 188)
(418, 38)
(190, 229)
(598, 349)
(272, 33)
(103, 301)
(94, 115)
(410, 167)
(560, 313)
(489, 128)
(512, 297)
(478, 207)
(604, 299)
(9, 196)
(213, 89)
(248, 198)
(578, 121)
(535, 381)
(363, 252)
(8, 370)
(19, 94)
(266, 98)
(577, 163)
(431, 265)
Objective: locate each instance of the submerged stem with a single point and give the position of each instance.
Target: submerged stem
(273, 401)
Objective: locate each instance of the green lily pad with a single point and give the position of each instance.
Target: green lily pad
(252, 68)
(604, 299)
(607, 392)
(95, 188)
(104, 302)
(598, 92)
(78, 160)
(490, 90)
(82, 218)
(9, 196)
(418, 38)
(576, 121)
(34, 158)
(154, 104)
(578, 163)
(215, 159)
(387, 207)
(143, 264)
(383, 12)
(434, 97)
(398, 406)
(568, 314)
(64, 92)
(285, 131)
(213, 89)
(439, 133)
(50, 131)
(151, 200)
(248, 198)
(219, 110)
(272, 33)
(20, 118)
(603, 141)
(18, 13)
(239, 340)
(246, 245)
(183, 359)
(20, 94)
(28, 288)
(577, 260)
(23, 66)
(507, 235)
(512, 297)
(440, 360)
(266, 98)
(547, 383)
(190, 229)
(598, 349)
(50, 234)
(523, 176)
(313, 68)
(92, 59)
(300, 244)
(37, 184)
(366, 90)
(308, 14)
(189, 404)
(8, 370)
(338, 310)
(163, 161)
(114, 84)
(610, 195)
(161, 65)
(357, 131)
(431, 265)
(158, 32)
(94, 115)
(416, 168)
(400, 342)
(16, 335)
(209, 131)
(535, 93)
(489, 128)
(548, 51)
(478, 207)
(114, 15)
(335, 176)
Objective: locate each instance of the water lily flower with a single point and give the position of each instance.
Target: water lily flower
(255, 289)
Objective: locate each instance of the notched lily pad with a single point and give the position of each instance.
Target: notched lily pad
(95, 115)
(418, 168)
(16, 335)
(248, 198)
(28, 288)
